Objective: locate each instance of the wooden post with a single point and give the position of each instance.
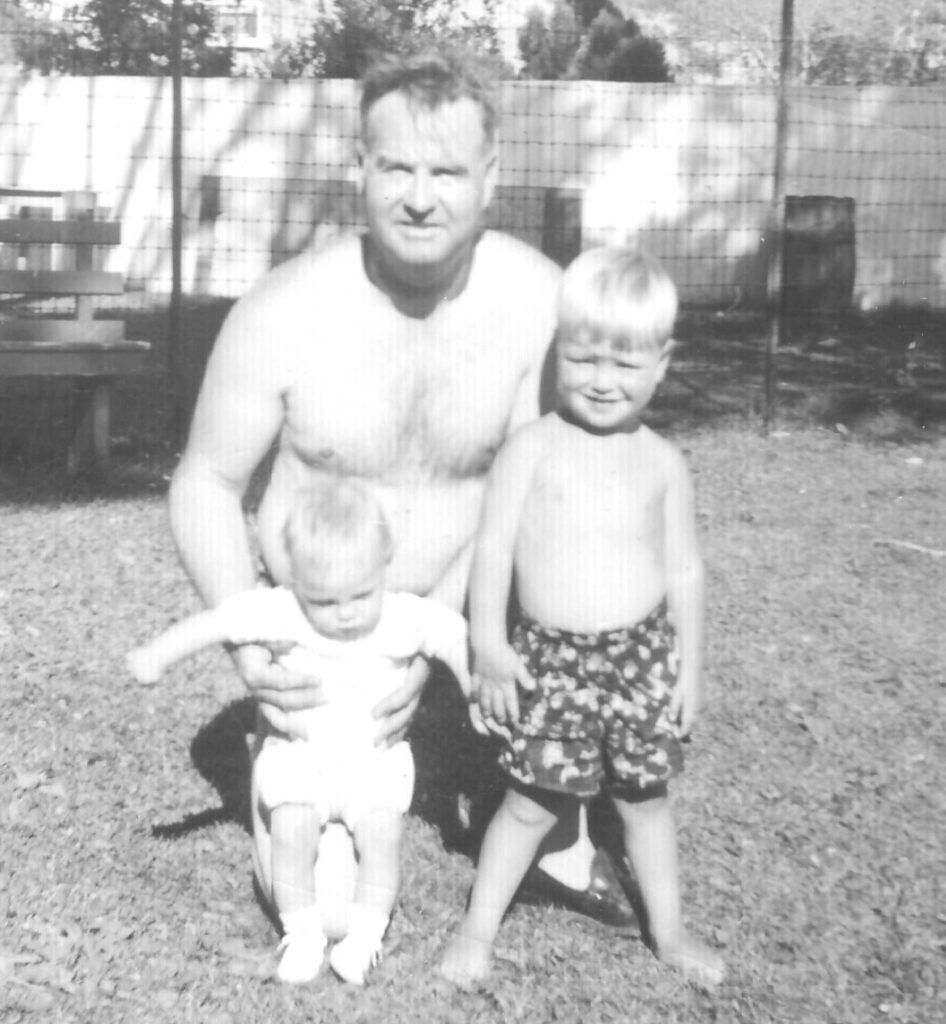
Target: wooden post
(88, 451)
(561, 224)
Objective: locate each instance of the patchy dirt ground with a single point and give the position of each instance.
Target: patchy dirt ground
(811, 813)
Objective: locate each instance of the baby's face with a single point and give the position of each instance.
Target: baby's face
(343, 602)
(604, 385)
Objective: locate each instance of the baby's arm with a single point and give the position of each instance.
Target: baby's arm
(497, 668)
(185, 638)
(685, 598)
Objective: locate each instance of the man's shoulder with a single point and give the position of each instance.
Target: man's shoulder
(504, 255)
(334, 261)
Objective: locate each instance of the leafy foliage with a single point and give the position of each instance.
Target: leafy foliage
(589, 39)
(344, 39)
(125, 37)
(913, 54)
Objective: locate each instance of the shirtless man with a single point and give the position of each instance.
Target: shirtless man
(403, 357)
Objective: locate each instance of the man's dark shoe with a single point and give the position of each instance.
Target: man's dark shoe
(604, 900)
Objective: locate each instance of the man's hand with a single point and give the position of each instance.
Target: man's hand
(397, 710)
(687, 703)
(278, 688)
(499, 672)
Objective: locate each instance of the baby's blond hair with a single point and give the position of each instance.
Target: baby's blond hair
(619, 294)
(331, 513)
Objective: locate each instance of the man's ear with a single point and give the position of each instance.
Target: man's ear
(491, 177)
(360, 156)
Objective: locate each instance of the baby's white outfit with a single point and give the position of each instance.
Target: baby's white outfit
(338, 769)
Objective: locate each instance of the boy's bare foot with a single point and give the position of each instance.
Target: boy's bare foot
(695, 961)
(466, 960)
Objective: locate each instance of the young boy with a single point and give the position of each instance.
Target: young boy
(342, 626)
(592, 514)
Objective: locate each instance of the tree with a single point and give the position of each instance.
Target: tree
(343, 40)
(614, 50)
(126, 37)
(914, 54)
(548, 47)
(590, 39)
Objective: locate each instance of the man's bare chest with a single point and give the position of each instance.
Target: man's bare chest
(402, 406)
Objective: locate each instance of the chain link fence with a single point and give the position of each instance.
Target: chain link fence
(682, 164)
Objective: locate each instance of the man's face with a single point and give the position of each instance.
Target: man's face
(427, 176)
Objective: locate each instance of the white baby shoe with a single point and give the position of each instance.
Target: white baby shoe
(360, 951)
(302, 947)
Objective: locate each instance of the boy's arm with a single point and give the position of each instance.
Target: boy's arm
(685, 591)
(185, 638)
(497, 668)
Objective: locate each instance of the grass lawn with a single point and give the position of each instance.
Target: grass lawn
(812, 812)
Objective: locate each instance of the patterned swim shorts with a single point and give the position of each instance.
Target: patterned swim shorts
(600, 713)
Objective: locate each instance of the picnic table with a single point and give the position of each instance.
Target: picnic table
(50, 251)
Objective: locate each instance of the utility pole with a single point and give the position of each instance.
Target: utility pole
(175, 351)
(776, 304)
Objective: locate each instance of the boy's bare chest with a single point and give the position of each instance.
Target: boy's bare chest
(606, 496)
(403, 402)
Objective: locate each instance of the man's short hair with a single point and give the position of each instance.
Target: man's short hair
(431, 78)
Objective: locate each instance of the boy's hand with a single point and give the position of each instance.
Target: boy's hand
(279, 689)
(498, 673)
(143, 666)
(686, 704)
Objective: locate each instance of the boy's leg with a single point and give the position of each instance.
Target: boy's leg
(378, 843)
(651, 841)
(511, 841)
(295, 830)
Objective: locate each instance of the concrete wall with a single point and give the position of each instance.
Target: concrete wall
(685, 170)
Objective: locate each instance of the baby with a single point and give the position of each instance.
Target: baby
(592, 514)
(339, 624)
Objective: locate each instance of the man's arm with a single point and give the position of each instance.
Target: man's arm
(238, 415)
(685, 590)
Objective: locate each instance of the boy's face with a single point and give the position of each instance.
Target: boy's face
(604, 386)
(343, 601)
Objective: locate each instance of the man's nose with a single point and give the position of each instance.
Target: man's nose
(420, 194)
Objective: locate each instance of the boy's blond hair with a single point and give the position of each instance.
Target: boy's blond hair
(331, 513)
(621, 295)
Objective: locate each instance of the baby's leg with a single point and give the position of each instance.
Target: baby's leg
(651, 841)
(378, 842)
(509, 847)
(295, 830)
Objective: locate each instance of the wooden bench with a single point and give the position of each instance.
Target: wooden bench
(55, 258)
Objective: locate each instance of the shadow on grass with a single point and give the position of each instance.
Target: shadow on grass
(219, 752)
